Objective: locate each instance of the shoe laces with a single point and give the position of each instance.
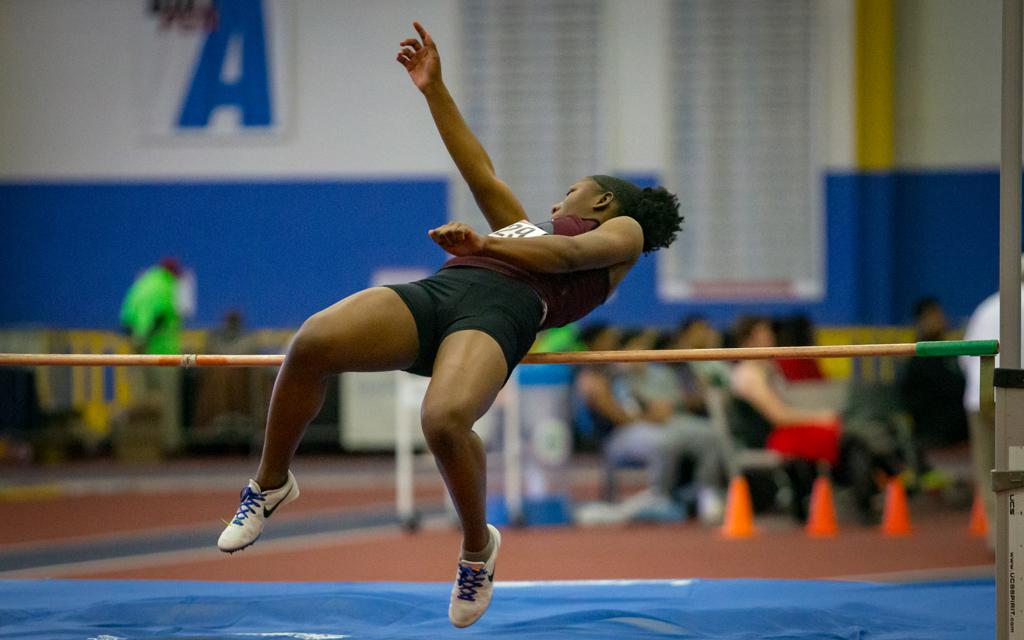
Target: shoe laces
(251, 501)
(470, 580)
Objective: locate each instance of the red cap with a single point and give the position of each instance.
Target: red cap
(172, 264)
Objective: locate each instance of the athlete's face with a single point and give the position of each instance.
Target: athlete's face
(583, 199)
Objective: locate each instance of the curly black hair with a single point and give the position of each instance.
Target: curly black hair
(656, 209)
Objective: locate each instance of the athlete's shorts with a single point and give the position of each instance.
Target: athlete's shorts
(460, 298)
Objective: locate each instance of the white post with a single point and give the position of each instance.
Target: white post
(513, 452)
(404, 453)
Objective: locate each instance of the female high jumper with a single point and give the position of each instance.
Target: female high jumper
(466, 327)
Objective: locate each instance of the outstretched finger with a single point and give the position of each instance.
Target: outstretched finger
(427, 40)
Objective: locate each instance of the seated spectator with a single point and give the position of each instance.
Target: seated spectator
(230, 337)
(797, 331)
(761, 418)
(590, 384)
(634, 406)
(931, 390)
(224, 404)
(688, 433)
(696, 377)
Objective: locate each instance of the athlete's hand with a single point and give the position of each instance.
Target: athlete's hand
(421, 59)
(458, 239)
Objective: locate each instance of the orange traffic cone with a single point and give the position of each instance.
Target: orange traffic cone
(821, 519)
(979, 521)
(739, 511)
(896, 516)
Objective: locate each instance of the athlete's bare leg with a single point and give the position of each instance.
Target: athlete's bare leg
(371, 330)
(469, 371)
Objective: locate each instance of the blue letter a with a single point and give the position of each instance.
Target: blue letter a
(241, 19)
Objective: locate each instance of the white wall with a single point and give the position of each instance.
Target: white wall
(639, 61)
(636, 95)
(67, 70)
(947, 83)
(838, 25)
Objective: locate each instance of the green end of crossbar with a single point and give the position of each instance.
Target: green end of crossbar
(958, 348)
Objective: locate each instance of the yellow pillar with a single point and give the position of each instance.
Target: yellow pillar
(874, 77)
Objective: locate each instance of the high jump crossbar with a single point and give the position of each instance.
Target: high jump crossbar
(188, 360)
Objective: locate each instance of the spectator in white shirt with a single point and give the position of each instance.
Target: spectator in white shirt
(983, 325)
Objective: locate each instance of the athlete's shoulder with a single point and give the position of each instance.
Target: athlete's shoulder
(625, 224)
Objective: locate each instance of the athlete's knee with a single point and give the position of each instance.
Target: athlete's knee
(444, 422)
(312, 341)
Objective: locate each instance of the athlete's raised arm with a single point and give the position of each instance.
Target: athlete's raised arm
(497, 202)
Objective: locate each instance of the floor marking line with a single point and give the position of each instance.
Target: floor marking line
(128, 534)
(149, 560)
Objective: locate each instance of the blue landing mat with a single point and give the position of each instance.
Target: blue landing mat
(733, 609)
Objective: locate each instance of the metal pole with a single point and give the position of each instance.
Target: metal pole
(1009, 189)
(1008, 432)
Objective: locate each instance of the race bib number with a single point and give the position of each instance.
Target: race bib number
(520, 229)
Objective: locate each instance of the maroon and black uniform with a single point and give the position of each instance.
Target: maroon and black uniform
(567, 296)
(505, 301)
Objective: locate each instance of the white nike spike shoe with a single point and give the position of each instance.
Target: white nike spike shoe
(474, 585)
(256, 506)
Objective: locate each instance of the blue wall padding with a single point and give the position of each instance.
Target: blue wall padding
(876, 256)
(724, 609)
(277, 250)
(946, 238)
(280, 250)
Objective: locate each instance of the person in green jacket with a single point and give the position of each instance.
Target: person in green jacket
(149, 312)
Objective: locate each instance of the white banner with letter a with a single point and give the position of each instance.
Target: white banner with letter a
(214, 68)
